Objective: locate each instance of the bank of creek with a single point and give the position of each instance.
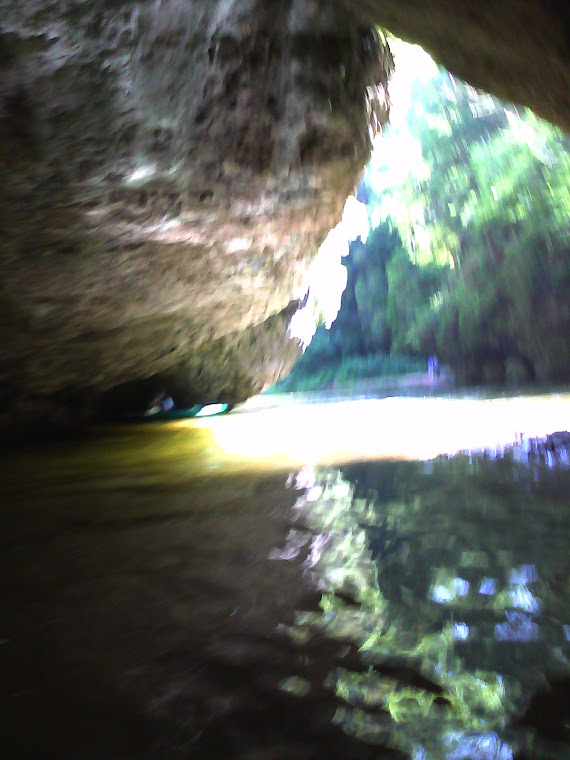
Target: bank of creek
(363, 578)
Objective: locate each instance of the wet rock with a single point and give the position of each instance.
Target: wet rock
(227, 370)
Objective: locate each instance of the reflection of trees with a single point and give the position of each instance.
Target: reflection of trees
(436, 577)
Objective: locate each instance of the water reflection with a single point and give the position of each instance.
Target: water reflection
(452, 582)
(300, 432)
(164, 593)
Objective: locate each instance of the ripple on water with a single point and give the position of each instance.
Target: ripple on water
(165, 593)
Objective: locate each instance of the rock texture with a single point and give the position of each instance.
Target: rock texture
(229, 369)
(170, 167)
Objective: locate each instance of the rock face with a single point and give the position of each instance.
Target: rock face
(228, 369)
(168, 171)
(170, 167)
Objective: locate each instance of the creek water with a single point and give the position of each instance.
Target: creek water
(356, 578)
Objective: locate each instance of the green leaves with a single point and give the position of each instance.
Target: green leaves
(496, 212)
(468, 258)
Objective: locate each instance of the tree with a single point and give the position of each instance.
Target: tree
(495, 208)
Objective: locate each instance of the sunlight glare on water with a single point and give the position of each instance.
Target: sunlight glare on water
(275, 434)
(400, 428)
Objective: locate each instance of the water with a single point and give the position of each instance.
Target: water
(296, 581)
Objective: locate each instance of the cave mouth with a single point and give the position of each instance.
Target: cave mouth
(465, 266)
(223, 587)
(446, 134)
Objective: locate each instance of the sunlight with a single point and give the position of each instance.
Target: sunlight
(412, 64)
(326, 279)
(398, 428)
(211, 410)
(468, 205)
(397, 153)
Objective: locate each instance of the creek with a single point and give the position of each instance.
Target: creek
(306, 577)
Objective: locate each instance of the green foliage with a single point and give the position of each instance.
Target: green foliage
(369, 264)
(359, 343)
(394, 576)
(495, 210)
(312, 373)
(469, 258)
(406, 313)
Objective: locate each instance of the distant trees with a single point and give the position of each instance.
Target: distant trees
(494, 211)
(470, 256)
(359, 342)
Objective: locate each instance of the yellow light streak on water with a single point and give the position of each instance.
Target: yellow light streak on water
(258, 440)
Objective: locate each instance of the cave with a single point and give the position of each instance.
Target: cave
(169, 170)
(381, 576)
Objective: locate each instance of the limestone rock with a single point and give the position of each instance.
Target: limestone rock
(229, 369)
(169, 170)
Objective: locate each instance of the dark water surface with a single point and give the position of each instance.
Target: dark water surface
(306, 581)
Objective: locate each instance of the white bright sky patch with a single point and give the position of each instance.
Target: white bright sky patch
(523, 599)
(354, 222)
(488, 586)
(518, 627)
(396, 152)
(326, 278)
(412, 64)
(523, 575)
(461, 631)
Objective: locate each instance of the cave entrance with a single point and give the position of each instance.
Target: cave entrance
(459, 261)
